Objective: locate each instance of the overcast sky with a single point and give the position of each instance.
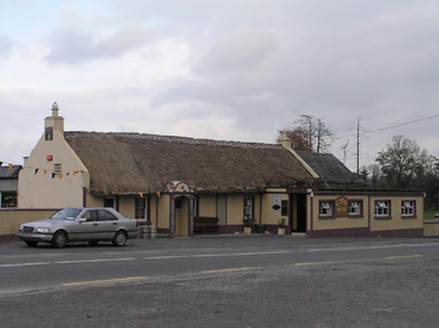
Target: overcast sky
(228, 70)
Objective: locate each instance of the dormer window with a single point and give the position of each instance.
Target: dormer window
(49, 134)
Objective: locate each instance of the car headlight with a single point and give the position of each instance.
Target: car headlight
(42, 230)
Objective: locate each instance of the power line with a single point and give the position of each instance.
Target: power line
(404, 124)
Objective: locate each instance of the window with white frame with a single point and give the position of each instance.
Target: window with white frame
(248, 207)
(355, 208)
(141, 207)
(408, 208)
(382, 208)
(326, 209)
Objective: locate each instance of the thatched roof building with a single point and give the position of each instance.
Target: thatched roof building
(132, 162)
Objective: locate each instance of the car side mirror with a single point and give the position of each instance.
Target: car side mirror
(81, 220)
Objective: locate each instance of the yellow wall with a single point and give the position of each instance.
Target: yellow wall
(270, 216)
(163, 219)
(396, 221)
(10, 220)
(153, 209)
(339, 222)
(235, 209)
(93, 201)
(431, 229)
(207, 206)
(127, 206)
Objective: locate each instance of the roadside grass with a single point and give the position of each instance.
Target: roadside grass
(429, 215)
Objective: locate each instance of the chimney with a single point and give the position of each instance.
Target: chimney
(54, 122)
(284, 140)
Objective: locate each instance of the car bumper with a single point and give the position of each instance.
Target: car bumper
(34, 236)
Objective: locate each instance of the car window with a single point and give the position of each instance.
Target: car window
(105, 215)
(91, 215)
(66, 214)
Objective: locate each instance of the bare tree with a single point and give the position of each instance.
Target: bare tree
(310, 134)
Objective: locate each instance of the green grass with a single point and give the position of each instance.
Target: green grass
(429, 215)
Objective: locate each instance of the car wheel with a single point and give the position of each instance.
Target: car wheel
(120, 238)
(31, 243)
(59, 239)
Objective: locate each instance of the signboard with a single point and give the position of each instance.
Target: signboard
(341, 206)
(276, 202)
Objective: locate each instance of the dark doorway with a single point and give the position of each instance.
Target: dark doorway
(301, 213)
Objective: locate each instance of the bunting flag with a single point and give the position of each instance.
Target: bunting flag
(141, 194)
(10, 165)
(53, 174)
(158, 194)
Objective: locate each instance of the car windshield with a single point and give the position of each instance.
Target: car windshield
(66, 214)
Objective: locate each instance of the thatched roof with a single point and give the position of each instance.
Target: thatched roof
(132, 162)
(331, 170)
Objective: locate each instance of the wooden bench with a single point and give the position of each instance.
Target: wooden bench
(206, 225)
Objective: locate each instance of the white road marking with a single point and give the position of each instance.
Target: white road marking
(23, 264)
(354, 248)
(95, 261)
(214, 255)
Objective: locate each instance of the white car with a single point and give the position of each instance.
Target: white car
(80, 224)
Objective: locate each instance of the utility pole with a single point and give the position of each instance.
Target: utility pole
(319, 136)
(358, 146)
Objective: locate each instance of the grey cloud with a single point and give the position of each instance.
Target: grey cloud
(336, 62)
(243, 49)
(73, 47)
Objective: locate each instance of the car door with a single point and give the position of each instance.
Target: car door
(88, 229)
(108, 224)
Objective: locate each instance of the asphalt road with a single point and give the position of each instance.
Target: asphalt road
(230, 281)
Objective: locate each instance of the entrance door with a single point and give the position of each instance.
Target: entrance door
(301, 213)
(182, 216)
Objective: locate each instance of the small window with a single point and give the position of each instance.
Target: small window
(284, 211)
(355, 208)
(248, 207)
(8, 199)
(48, 136)
(408, 208)
(140, 210)
(109, 202)
(382, 209)
(326, 209)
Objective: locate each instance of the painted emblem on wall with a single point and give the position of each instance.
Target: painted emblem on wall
(341, 206)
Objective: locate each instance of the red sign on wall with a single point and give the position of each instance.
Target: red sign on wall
(49, 158)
